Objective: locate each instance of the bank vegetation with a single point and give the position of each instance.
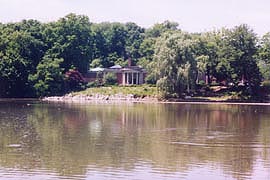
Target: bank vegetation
(35, 58)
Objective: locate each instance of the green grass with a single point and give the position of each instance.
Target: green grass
(137, 91)
(142, 91)
(214, 98)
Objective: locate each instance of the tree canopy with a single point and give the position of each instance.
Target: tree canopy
(35, 56)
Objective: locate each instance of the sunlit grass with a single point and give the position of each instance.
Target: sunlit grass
(138, 91)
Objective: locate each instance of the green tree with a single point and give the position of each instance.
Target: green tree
(134, 39)
(147, 50)
(72, 39)
(110, 43)
(158, 29)
(206, 48)
(101, 42)
(49, 78)
(237, 56)
(263, 56)
(20, 52)
(175, 64)
(110, 79)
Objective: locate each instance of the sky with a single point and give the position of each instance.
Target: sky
(192, 15)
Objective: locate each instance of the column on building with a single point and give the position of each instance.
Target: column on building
(127, 78)
(141, 78)
(123, 78)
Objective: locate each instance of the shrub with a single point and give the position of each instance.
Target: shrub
(74, 81)
(110, 79)
(266, 86)
(92, 84)
(201, 82)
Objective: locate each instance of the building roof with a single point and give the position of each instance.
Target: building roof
(98, 69)
(116, 67)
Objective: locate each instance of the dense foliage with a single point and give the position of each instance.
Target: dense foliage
(41, 59)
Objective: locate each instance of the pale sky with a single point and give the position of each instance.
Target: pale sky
(192, 15)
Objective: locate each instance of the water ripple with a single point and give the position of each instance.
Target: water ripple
(225, 145)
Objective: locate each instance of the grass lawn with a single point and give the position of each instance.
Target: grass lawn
(142, 91)
(138, 91)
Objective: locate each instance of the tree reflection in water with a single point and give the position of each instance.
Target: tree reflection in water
(74, 139)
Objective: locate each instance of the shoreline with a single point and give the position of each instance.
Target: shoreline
(131, 99)
(100, 98)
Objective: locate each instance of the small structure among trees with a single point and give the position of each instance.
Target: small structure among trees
(128, 75)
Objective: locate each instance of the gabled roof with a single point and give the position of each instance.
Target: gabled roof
(98, 69)
(134, 68)
(116, 67)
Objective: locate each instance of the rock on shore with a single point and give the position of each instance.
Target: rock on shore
(99, 97)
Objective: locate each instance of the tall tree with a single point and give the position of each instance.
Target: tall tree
(147, 50)
(175, 64)
(135, 36)
(48, 79)
(110, 43)
(206, 49)
(238, 53)
(71, 38)
(264, 56)
(158, 29)
(20, 52)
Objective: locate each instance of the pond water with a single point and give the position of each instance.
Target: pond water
(133, 141)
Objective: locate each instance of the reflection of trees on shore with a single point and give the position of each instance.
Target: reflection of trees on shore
(173, 137)
(265, 139)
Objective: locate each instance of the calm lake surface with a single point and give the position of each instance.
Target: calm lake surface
(133, 141)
